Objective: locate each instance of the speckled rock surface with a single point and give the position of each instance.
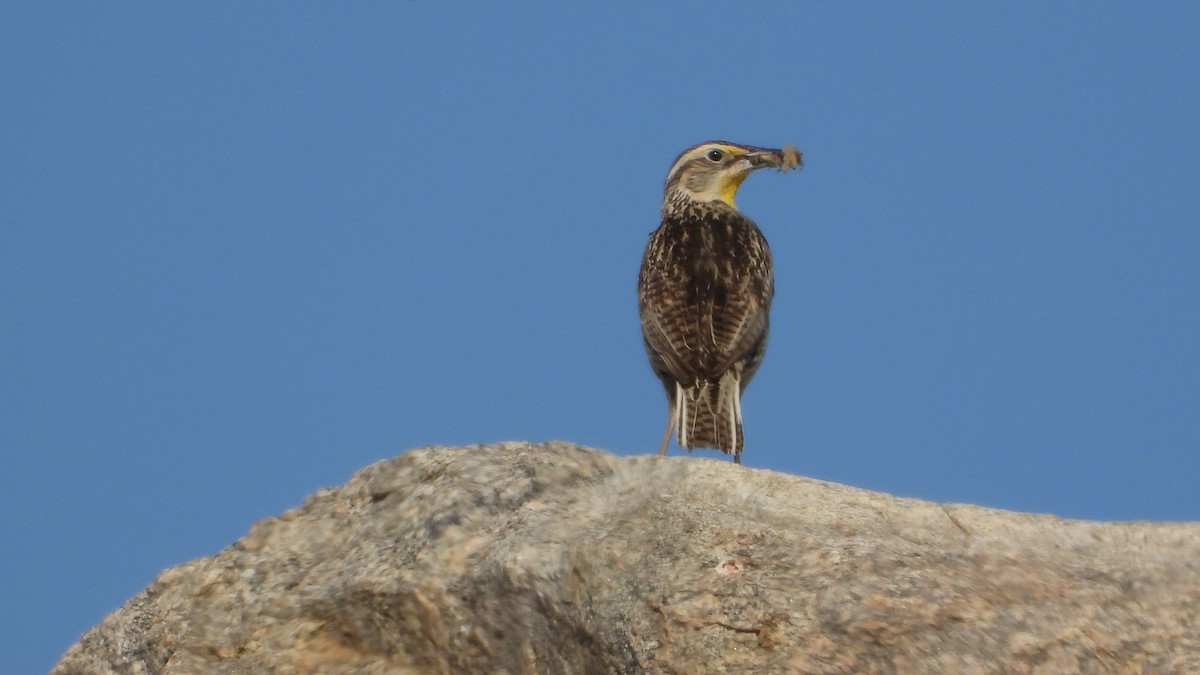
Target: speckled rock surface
(554, 558)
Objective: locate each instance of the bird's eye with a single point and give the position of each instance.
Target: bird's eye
(715, 155)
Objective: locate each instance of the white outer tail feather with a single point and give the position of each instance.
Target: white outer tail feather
(693, 403)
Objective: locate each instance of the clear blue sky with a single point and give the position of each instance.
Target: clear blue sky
(250, 248)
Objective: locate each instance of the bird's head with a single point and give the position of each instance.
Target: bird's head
(714, 171)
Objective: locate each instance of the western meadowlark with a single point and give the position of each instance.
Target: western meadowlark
(704, 293)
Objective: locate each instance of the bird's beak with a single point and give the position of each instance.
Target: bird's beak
(753, 160)
(784, 159)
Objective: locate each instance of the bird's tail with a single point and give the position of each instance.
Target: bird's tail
(708, 414)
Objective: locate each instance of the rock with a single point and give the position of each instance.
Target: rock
(556, 558)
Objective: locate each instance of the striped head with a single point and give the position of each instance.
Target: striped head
(714, 171)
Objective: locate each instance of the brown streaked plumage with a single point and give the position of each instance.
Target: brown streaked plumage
(704, 293)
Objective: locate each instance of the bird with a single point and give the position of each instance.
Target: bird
(704, 293)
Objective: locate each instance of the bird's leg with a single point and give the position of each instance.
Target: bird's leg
(737, 458)
(666, 435)
(662, 449)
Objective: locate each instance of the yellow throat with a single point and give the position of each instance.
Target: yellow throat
(730, 188)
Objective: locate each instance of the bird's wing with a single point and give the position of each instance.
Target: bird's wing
(739, 325)
(704, 302)
(665, 331)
